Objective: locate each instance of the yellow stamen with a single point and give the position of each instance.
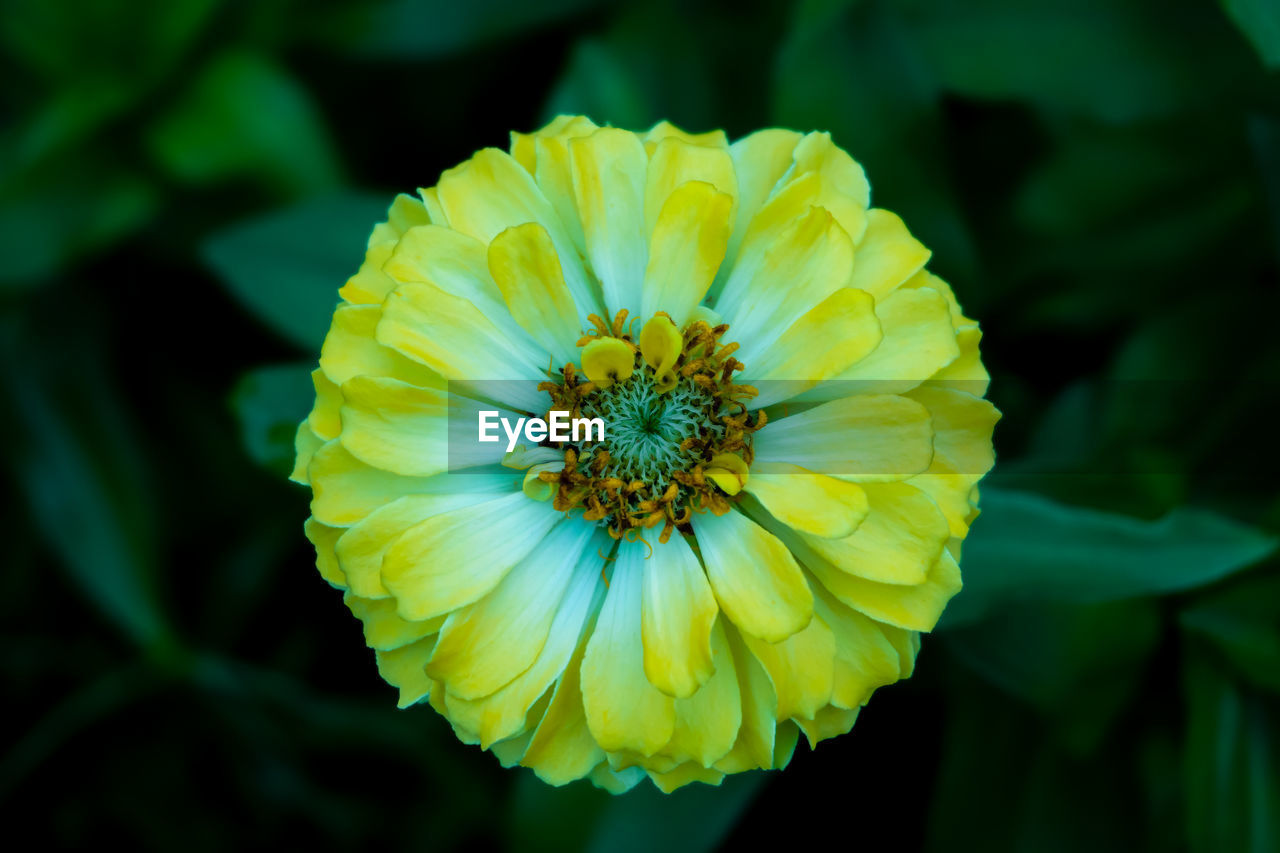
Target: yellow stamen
(661, 344)
(665, 382)
(728, 471)
(538, 488)
(608, 360)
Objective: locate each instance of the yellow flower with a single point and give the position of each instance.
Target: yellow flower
(794, 433)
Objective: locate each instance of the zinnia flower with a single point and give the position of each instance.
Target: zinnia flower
(794, 433)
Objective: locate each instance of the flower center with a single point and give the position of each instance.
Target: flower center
(677, 430)
(645, 430)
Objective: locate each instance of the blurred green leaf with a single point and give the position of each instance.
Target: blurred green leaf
(286, 267)
(62, 43)
(1242, 622)
(1113, 61)
(1003, 786)
(91, 62)
(1027, 548)
(83, 483)
(270, 402)
(1260, 21)
(547, 818)
(597, 83)
(51, 218)
(245, 114)
(1095, 176)
(695, 818)
(617, 79)
(1264, 133)
(1147, 200)
(418, 29)
(1232, 764)
(106, 694)
(851, 69)
(1079, 665)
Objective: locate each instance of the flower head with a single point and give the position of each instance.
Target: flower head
(794, 433)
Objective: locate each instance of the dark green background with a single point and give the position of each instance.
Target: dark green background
(185, 183)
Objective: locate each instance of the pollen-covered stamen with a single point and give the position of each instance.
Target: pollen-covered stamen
(677, 430)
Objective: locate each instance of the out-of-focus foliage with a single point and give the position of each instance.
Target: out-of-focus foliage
(185, 183)
(281, 267)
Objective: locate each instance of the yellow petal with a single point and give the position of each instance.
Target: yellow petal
(452, 337)
(924, 278)
(845, 191)
(608, 183)
(361, 548)
(414, 431)
(305, 445)
(754, 747)
(677, 612)
(865, 658)
(407, 212)
(510, 752)
(674, 163)
(809, 261)
(784, 744)
(707, 721)
(325, 418)
(490, 193)
(685, 250)
(325, 538)
(405, 668)
(396, 426)
(801, 668)
(562, 749)
(666, 130)
(608, 360)
(962, 425)
(918, 341)
(707, 315)
(912, 607)
(616, 781)
(916, 608)
(828, 722)
(384, 630)
(624, 711)
(545, 155)
(898, 542)
(967, 372)
(455, 558)
(458, 264)
(865, 438)
(431, 201)
(370, 284)
(759, 160)
(755, 578)
(908, 645)
(845, 322)
(810, 503)
(524, 264)
(778, 214)
(887, 255)
(484, 646)
(683, 775)
(525, 457)
(345, 490)
(350, 349)
(502, 714)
